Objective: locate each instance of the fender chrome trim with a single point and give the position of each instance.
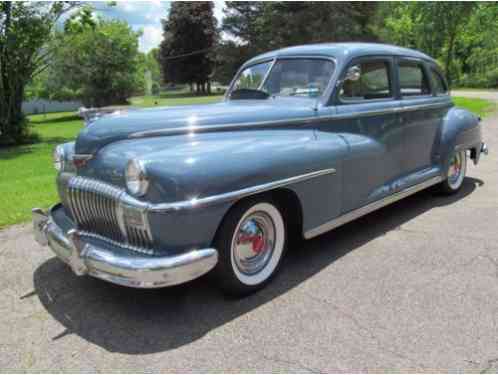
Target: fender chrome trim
(355, 214)
(122, 196)
(237, 194)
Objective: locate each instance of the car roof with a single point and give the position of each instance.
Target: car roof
(343, 51)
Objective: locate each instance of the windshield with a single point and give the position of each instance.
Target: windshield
(287, 77)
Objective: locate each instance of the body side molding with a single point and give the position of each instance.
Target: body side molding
(355, 214)
(233, 195)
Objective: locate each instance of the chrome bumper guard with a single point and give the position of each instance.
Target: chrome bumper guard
(137, 271)
(484, 148)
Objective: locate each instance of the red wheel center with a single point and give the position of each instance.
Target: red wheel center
(257, 242)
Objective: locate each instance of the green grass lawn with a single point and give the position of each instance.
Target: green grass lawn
(27, 178)
(480, 107)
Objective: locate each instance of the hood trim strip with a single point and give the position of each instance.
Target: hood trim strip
(288, 122)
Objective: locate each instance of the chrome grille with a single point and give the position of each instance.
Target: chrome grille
(95, 207)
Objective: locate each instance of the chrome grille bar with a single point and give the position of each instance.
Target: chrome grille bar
(95, 207)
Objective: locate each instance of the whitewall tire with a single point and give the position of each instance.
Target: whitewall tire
(251, 242)
(457, 168)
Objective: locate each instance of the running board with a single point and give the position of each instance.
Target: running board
(355, 214)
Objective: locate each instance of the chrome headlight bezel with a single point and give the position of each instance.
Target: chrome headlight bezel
(59, 158)
(137, 181)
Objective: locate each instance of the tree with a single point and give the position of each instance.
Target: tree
(266, 26)
(98, 62)
(148, 72)
(245, 21)
(25, 28)
(229, 57)
(433, 27)
(477, 48)
(186, 53)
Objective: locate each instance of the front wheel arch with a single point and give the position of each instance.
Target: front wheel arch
(290, 205)
(231, 277)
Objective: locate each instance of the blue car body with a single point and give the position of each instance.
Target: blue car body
(333, 161)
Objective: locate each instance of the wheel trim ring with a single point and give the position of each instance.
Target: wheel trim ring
(261, 244)
(456, 170)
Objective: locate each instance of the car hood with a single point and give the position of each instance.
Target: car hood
(227, 115)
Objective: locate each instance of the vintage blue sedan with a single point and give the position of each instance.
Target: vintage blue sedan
(307, 138)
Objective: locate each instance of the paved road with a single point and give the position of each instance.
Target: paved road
(412, 287)
(484, 94)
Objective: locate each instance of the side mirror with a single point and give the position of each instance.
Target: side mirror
(353, 73)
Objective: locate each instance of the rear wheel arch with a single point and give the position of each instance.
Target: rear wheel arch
(460, 128)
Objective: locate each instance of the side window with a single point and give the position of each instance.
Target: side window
(438, 83)
(251, 77)
(367, 80)
(412, 79)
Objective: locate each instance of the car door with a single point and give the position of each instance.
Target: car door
(367, 118)
(420, 117)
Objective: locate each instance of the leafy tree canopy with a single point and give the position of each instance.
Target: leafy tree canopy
(25, 28)
(95, 62)
(190, 33)
(268, 25)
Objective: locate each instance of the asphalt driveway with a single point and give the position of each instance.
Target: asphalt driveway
(482, 94)
(412, 287)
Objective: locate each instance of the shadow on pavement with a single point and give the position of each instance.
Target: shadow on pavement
(132, 321)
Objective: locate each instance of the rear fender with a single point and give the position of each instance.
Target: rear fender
(461, 130)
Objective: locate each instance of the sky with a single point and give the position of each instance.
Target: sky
(145, 15)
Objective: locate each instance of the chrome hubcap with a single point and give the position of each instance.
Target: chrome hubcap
(455, 169)
(253, 243)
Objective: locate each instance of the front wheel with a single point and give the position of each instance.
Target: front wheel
(457, 167)
(251, 243)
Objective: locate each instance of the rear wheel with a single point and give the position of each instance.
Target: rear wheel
(251, 243)
(457, 167)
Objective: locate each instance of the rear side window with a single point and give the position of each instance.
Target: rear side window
(412, 79)
(372, 82)
(438, 83)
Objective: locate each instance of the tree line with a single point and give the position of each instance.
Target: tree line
(97, 60)
(460, 35)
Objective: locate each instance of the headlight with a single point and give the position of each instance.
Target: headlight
(59, 157)
(136, 178)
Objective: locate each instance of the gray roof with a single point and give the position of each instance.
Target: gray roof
(343, 51)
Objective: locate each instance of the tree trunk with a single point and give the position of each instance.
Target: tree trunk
(209, 87)
(12, 124)
(449, 55)
(12, 83)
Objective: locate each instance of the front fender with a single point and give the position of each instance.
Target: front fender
(461, 130)
(189, 167)
(217, 163)
(212, 164)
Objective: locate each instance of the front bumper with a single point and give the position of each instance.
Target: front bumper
(119, 267)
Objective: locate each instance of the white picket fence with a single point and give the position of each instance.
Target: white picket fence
(46, 106)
